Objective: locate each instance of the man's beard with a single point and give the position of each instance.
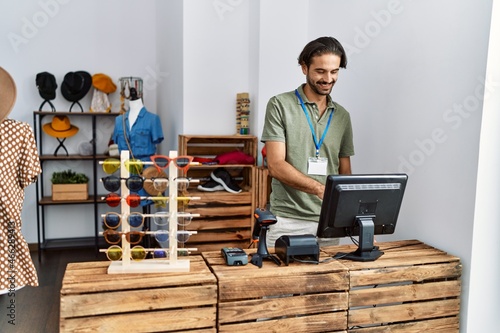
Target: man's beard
(318, 89)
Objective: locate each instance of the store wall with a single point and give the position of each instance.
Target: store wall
(114, 37)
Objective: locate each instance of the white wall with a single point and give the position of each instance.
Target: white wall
(216, 64)
(404, 85)
(414, 86)
(61, 36)
(484, 302)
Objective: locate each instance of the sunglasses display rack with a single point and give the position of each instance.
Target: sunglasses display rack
(169, 264)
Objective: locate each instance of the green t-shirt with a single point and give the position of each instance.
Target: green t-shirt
(286, 122)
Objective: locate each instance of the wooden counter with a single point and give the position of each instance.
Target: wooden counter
(413, 287)
(94, 301)
(295, 298)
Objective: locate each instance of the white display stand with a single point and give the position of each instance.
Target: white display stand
(169, 264)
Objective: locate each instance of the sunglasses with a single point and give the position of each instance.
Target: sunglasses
(134, 200)
(112, 183)
(163, 218)
(113, 220)
(115, 253)
(159, 184)
(111, 165)
(114, 200)
(115, 237)
(163, 236)
(162, 162)
(138, 252)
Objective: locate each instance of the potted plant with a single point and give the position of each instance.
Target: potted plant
(69, 185)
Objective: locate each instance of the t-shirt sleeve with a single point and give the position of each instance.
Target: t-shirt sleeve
(274, 129)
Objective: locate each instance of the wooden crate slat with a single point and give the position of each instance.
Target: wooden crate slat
(151, 321)
(330, 322)
(221, 236)
(239, 311)
(408, 260)
(406, 273)
(202, 224)
(137, 300)
(220, 198)
(203, 247)
(282, 285)
(76, 283)
(404, 312)
(404, 293)
(441, 325)
(235, 210)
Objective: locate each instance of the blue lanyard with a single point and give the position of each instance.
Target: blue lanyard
(316, 143)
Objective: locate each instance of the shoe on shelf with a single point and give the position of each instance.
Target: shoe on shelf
(221, 176)
(210, 186)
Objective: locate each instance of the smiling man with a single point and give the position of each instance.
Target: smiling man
(307, 136)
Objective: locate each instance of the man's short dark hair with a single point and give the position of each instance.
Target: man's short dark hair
(320, 46)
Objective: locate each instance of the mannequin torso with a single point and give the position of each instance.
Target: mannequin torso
(135, 108)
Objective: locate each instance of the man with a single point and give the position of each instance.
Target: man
(307, 136)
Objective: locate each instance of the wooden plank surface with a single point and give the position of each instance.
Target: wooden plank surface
(82, 305)
(150, 321)
(404, 293)
(441, 325)
(238, 311)
(404, 312)
(334, 322)
(92, 277)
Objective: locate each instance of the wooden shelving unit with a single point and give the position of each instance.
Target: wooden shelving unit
(44, 200)
(227, 218)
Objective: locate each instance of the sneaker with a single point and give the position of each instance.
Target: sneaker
(211, 186)
(221, 176)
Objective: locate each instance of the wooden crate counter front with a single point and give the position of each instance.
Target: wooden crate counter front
(295, 298)
(94, 301)
(413, 287)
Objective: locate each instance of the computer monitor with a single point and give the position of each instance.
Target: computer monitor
(361, 205)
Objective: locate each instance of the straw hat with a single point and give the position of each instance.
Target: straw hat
(60, 127)
(147, 174)
(8, 93)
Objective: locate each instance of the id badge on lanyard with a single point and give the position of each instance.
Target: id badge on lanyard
(316, 165)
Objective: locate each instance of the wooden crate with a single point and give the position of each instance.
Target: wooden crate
(94, 301)
(61, 192)
(226, 219)
(295, 298)
(263, 187)
(413, 287)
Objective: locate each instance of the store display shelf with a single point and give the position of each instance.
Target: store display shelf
(62, 243)
(90, 200)
(71, 157)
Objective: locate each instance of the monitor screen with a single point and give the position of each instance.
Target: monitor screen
(361, 205)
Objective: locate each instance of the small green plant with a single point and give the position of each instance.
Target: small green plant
(69, 177)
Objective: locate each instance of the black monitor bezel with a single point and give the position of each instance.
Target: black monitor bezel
(329, 227)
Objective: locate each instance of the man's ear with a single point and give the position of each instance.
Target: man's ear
(304, 68)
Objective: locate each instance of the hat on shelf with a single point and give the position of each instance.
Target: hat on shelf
(60, 127)
(8, 93)
(46, 84)
(103, 83)
(152, 172)
(76, 85)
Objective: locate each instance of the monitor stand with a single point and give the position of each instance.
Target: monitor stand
(366, 250)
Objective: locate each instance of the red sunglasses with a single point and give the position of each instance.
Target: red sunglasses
(162, 162)
(114, 200)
